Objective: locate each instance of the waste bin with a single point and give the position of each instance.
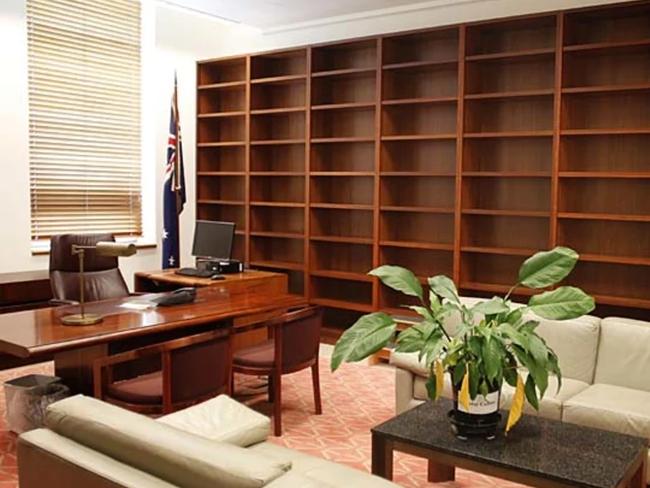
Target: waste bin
(28, 397)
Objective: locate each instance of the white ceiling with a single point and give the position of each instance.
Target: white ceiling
(268, 14)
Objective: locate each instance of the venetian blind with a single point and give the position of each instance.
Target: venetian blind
(84, 116)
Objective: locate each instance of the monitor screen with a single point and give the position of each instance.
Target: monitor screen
(213, 239)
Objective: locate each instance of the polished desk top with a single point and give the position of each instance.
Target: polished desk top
(35, 332)
(170, 276)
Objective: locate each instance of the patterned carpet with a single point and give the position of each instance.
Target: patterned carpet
(354, 399)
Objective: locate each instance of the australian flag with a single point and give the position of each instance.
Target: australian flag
(173, 189)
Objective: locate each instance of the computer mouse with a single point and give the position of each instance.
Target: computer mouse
(217, 277)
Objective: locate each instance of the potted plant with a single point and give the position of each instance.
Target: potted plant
(495, 342)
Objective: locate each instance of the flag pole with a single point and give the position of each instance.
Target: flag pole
(177, 182)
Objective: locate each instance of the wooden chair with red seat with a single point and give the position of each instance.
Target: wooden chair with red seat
(294, 345)
(192, 369)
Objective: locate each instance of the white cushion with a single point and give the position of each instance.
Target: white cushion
(166, 452)
(624, 353)
(552, 404)
(613, 408)
(408, 361)
(574, 341)
(222, 419)
(318, 471)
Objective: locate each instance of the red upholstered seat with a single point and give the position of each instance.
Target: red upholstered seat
(144, 389)
(260, 355)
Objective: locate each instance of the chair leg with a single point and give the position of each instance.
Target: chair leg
(232, 384)
(315, 379)
(277, 404)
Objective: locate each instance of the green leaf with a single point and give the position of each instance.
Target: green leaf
(434, 302)
(423, 312)
(459, 373)
(444, 287)
(554, 367)
(474, 378)
(538, 349)
(566, 302)
(368, 335)
(400, 279)
(494, 306)
(413, 339)
(432, 347)
(431, 387)
(514, 316)
(531, 393)
(547, 268)
(492, 358)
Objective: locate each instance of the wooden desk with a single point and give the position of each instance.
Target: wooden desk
(167, 279)
(36, 333)
(265, 282)
(24, 290)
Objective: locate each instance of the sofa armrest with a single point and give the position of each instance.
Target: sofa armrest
(48, 459)
(222, 419)
(404, 380)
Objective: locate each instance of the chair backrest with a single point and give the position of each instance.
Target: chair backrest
(299, 335)
(102, 276)
(201, 368)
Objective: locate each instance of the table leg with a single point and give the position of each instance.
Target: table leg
(75, 367)
(438, 473)
(640, 480)
(382, 457)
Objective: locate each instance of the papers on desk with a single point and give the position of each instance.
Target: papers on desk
(138, 305)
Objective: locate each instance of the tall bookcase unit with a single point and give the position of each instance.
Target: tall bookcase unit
(456, 150)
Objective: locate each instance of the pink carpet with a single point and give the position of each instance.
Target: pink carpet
(354, 399)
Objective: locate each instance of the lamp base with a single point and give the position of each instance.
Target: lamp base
(85, 319)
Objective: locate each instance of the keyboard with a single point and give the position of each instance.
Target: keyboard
(197, 273)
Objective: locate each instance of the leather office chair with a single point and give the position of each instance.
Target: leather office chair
(192, 369)
(102, 275)
(294, 346)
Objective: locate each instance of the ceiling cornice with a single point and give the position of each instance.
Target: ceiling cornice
(369, 14)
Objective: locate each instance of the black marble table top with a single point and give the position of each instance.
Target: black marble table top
(549, 449)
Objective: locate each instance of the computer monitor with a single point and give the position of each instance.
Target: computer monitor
(213, 239)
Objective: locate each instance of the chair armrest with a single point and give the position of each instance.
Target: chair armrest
(294, 315)
(139, 293)
(56, 302)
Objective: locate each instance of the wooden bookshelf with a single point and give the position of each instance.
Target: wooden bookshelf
(456, 150)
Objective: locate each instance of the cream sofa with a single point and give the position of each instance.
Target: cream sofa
(219, 443)
(606, 374)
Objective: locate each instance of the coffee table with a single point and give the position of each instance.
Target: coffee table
(537, 452)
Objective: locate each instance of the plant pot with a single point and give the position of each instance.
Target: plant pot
(481, 420)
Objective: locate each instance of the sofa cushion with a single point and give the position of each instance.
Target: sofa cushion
(319, 471)
(164, 451)
(222, 419)
(575, 342)
(408, 361)
(624, 353)
(611, 407)
(552, 404)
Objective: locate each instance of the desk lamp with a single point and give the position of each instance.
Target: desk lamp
(113, 249)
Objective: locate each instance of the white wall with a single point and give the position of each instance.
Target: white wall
(172, 39)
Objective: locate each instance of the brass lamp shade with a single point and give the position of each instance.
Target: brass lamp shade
(115, 249)
(103, 248)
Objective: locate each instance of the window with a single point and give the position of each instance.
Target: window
(84, 116)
